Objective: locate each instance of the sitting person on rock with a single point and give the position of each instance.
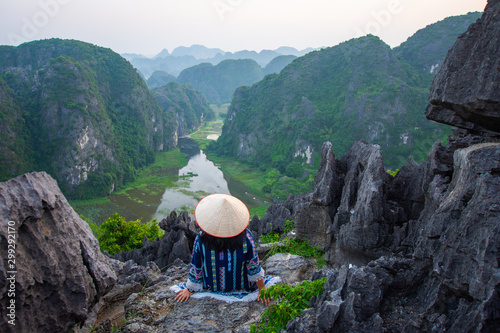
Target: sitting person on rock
(225, 264)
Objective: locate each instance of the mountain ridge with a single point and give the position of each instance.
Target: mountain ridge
(325, 96)
(80, 112)
(372, 93)
(185, 57)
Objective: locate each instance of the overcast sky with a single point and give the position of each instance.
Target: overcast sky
(148, 26)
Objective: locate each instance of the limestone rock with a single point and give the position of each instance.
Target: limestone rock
(361, 225)
(61, 272)
(327, 183)
(469, 241)
(466, 91)
(291, 268)
(312, 222)
(274, 220)
(421, 251)
(155, 310)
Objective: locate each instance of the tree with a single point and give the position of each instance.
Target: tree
(117, 235)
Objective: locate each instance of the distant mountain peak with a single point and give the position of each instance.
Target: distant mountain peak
(197, 51)
(163, 54)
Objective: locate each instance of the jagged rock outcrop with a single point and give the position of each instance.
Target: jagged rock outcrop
(176, 243)
(363, 221)
(437, 223)
(347, 214)
(55, 260)
(466, 91)
(446, 276)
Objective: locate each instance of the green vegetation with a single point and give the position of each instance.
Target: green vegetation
(277, 64)
(428, 47)
(393, 172)
(159, 78)
(154, 178)
(265, 183)
(151, 181)
(208, 132)
(219, 82)
(251, 176)
(84, 106)
(358, 90)
(291, 300)
(117, 235)
(220, 110)
(83, 114)
(260, 211)
(185, 103)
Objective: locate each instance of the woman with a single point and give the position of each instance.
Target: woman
(224, 259)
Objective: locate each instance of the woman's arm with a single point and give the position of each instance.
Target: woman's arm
(255, 271)
(195, 278)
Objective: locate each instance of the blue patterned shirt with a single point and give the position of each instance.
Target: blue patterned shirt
(226, 271)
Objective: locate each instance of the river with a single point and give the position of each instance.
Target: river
(197, 179)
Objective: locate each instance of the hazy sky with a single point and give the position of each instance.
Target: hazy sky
(148, 26)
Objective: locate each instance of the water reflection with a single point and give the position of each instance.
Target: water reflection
(199, 178)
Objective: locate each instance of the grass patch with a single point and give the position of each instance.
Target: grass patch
(96, 202)
(210, 128)
(202, 143)
(163, 173)
(198, 195)
(291, 300)
(151, 181)
(260, 211)
(252, 177)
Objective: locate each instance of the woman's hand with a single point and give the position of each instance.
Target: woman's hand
(262, 286)
(265, 301)
(183, 295)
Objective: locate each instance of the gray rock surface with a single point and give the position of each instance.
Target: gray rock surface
(361, 225)
(291, 268)
(60, 271)
(466, 91)
(450, 278)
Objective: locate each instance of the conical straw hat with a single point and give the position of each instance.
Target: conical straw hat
(222, 215)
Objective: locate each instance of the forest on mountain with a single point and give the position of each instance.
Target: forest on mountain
(428, 47)
(358, 90)
(186, 103)
(219, 82)
(83, 114)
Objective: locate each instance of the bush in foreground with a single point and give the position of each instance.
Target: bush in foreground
(117, 235)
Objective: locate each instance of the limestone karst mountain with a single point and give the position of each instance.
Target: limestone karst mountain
(80, 112)
(83, 114)
(418, 252)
